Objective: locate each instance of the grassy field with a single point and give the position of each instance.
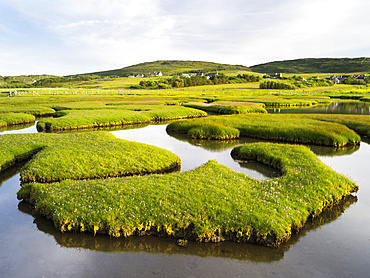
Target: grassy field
(311, 65)
(210, 203)
(289, 128)
(85, 155)
(242, 108)
(82, 119)
(8, 119)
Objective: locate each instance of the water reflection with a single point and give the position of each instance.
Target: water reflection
(336, 107)
(20, 129)
(193, 153)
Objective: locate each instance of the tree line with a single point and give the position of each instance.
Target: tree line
(195, 80)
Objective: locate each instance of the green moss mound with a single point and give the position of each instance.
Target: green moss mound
(92, 118)
(26, 107)
(289, 128)
(213, 131)
(7, 119)
(210, 203)
(228, 109)
(358, 123)
(85, 155)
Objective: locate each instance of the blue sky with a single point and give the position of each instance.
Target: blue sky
(72, 37)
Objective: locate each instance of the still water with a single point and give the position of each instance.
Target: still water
(336, 107)
(336, 244)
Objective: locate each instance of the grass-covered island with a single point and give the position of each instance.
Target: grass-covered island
(288, 128)
(86, 155)
(210, 203)
(124, 115)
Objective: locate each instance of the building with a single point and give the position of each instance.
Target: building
(273, 75)
(211, 74)
(157, 73)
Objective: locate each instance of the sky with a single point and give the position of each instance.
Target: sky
(82, 36)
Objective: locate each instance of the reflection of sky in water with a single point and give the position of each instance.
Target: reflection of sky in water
(191, 156)
(31, 129)
(336, 107)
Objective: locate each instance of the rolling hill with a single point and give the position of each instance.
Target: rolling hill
(170, 67)
(315, 65)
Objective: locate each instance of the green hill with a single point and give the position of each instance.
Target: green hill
(170, 67)
(316, 65)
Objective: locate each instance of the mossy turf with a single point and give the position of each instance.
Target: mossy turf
(289, 128)
(7, 119)
(358, 123)
(85, 155)
(26, 108)
(228, 109)
(92, 118)
(210, 203)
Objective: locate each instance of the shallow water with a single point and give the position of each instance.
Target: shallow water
(336, 244)
(336, 107)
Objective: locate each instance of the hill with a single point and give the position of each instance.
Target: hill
(170, 67)
(316, 65)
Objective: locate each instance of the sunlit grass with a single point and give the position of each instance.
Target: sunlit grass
(85, 155)
(82, 119)
(7, 119)
(210, 203)
(289, 128)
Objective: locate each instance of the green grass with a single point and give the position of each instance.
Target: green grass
(289, 128)
(7, 119)
(358, 123)
(210, 203)
(228, 109)
(315, 65)
(28, 109)
(85, 155)
(82, 119)
(172, 67)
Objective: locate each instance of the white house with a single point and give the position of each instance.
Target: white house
(157, 73)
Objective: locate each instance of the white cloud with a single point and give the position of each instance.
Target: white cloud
(83, 36)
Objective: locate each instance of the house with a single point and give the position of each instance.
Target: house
(276, 75)
(335, 79)
(211, 74)
(359, 76)
(185, 75)
(139, 75)
(158, 73)
(313, 77)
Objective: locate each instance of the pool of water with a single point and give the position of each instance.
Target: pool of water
(336, 107)
(335, 244)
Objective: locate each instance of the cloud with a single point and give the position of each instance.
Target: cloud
(91, 35)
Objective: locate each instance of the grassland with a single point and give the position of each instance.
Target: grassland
(85, 155)
(171, 67)
(8, 119)
(289, 128)
(358, 123)
(243, 108)
(82, 119)
(210, 203)
(320, 65)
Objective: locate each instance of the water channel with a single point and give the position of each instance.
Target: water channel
(335, 244)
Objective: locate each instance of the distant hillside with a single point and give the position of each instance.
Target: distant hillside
(170, 67)
(21, 81)
(313, 65)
